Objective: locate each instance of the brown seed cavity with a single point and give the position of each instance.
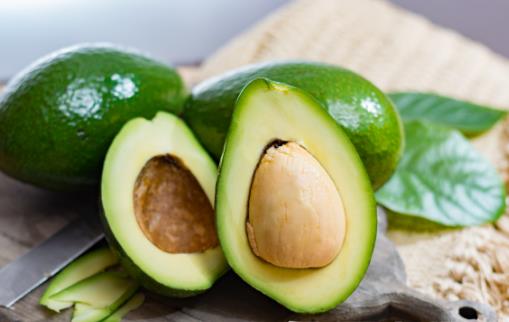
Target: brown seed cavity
(296, 216)
(172, 209)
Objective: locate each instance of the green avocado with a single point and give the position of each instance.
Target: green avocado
(157, 191)
(365, 113)
(295, 210)
(58, 116)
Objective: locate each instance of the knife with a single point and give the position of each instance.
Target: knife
(30, 270)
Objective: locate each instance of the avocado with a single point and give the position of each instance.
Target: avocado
(98, 296)
(157, 192)
(58, 116)
(132, 304)
(368, 117)
(87, 265)
(295, 210)
(99, 290)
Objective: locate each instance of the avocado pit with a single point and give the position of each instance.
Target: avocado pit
(171, 207)
(296, 217)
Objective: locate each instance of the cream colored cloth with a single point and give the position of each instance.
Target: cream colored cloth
(398, 50)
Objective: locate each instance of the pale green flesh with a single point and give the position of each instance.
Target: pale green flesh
(98, 291)
(138, 142)
(87, 313)
(135, 302)
(82, 268)
(266, 112)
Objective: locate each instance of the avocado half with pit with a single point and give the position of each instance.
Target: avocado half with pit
(157, 192)
(294, 205)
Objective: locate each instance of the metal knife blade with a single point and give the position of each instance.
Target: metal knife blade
(33, 268)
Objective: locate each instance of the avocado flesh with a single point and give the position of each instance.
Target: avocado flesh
(133, 303)
(268, 111)
(98, 291)
(82, 268)
(139, 141)
(368, 117)
(99, 296)
(87, 313)
(59, 116)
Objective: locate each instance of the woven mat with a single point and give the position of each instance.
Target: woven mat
(398, 50)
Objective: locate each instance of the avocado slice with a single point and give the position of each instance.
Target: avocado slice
(366, 114)
(59, 116)
(98, 296)
(285, 164)
(99, 291)
(134, 302)
(158, 188)
(87, 313)
(87, 265)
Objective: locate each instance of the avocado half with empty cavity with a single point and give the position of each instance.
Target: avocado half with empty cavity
(157, 192)
(294, 205)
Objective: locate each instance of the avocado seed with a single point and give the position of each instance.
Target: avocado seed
(296, 217)
(172, 209)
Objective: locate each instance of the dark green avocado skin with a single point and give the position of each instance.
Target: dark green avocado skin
(59, 116)
(365, 113)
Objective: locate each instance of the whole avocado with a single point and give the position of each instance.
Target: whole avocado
(59, 116)
(366, 114)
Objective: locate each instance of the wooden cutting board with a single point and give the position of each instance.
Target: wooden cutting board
(29, 215)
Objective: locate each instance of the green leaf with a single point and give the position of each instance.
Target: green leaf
(467, 117)
(442, 178)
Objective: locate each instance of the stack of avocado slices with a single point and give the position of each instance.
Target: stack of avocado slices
(301, 146)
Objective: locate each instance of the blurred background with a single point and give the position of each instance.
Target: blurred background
(186, 31)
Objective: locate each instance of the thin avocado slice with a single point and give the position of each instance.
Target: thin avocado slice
(87, 265)
(365, 113)
(157, 193)
(99, 291)
(132, 304)
(284, 167)
(87, 313)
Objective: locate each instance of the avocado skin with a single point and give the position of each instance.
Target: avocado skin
(58, 116)
(366, 114)
(135, 272)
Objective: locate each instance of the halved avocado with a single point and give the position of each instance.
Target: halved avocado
(157, 192)
(294, 205)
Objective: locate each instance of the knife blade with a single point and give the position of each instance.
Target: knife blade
(30, 270)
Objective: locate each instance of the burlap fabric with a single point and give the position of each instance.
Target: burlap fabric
(398, 50)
